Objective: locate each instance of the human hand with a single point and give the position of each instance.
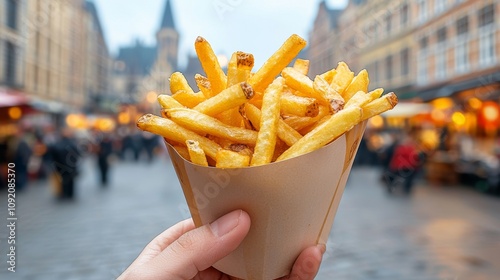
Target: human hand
(186, 252)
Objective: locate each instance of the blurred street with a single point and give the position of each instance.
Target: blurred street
(438, 233)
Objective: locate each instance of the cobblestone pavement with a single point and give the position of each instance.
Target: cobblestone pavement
(438, 233)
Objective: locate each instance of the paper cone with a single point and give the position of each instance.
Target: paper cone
(291, 203)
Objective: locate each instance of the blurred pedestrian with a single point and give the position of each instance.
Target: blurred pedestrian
(104, 151)
(404, 163)
(19, 153)
(65, 157)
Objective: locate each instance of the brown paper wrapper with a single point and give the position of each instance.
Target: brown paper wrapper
(291, 203)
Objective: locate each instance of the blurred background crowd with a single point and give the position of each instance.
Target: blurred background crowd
(70, 94)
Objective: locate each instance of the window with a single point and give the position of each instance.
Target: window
(439, 6)
(376, 76)
(404, 15)
(12, 13)
(486, 15)
(388, 67)
(388, 23)
(461, 48)
(486, 18)
(405, 62)
(422, 66)
(441, 53)
(10, 64)
(422, 10)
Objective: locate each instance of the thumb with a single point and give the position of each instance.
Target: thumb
(199, 249)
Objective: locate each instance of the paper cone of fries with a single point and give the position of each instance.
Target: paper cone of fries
(291, 203)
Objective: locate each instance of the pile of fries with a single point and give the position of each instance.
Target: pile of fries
(249, 119)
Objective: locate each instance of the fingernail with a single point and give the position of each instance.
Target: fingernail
(226, 223)
(322, 248)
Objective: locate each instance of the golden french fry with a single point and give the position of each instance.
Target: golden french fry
(301, 83)
(301, 65)
(376, 93)
(204, 124)
(328, 75)
(239, 67)
(196, 153)
(210, 65)
(358, 83)
(285, 132)
(358, 100)
(172, 131)
(182, 151)
(182, 92)
(229, 98)
(280, 59)
(168, 102)
(204, 85)
(266, 139)
(280, 148)
(335, 126)
(299, 123)
(379, 105)
(297, 105)
(230, 159)
(241, 149)
(334, 100)
(342, 78)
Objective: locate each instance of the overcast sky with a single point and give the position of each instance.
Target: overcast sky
(255, 26)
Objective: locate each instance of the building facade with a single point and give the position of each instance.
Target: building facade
(12, 43)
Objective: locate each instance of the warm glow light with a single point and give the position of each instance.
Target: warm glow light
(151, 97)
(438, 115)
(490, 112)
(123, 118)
(376, 122)
(429, 138)
(475, 103)
(458, 118)
(72, 120)
(15, 113)
(442, 103)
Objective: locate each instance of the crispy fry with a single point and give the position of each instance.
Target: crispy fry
(379, 105)
(334, 100)
(358, 83)
(230, 159)
(301, 65)
(175, 132)
(342, 78)
(168, 102)
(204, 124)
(196, 153)
(325, 133)
(285, 132)
(358, 100)
(301, 83)
(297, 105)
(241, 149)
(211, 66)
(299, 123)
(229, 98)
(328, 75)
(204, 85)
(376, 93)
(266, 140)
(280, 59)
(182, 92)
(182, 151)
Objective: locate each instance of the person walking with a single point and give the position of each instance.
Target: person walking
(65, 157)
(104, 151)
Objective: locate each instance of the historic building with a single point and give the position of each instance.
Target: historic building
(12, 43)
(140, 69)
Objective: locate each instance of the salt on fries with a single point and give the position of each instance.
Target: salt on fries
(249, 119)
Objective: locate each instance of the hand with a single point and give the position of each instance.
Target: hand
(186, 252)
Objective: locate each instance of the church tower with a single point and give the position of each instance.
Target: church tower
(167, 39)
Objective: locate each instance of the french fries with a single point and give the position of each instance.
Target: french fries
(242, 119)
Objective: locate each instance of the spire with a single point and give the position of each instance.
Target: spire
(167, 20)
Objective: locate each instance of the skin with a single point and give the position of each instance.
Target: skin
(186, 252)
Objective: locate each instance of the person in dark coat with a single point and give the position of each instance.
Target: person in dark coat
(65, 157)
(104, 151)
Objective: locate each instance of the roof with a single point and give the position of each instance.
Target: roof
(167, 20)
(333, 14)
(91, 8)
(138, 58)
